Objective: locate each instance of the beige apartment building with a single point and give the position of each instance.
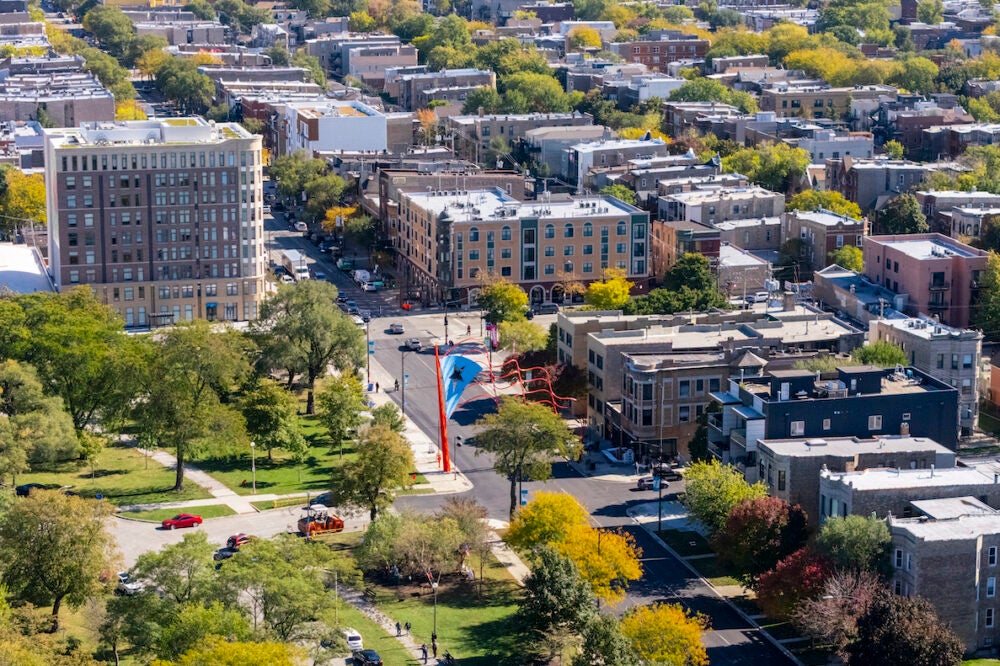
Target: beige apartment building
(161, 218)
(450, 243)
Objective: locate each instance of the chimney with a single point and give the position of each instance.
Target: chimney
(788, 301)
(932, 471)
(904, 429)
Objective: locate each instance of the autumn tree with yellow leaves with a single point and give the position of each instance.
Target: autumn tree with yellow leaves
(22, 198)
(666, 634)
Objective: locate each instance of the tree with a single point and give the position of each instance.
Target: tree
(341, 401)
(712, 490)
(621, 192)
(690, 270)
(180, 81)
(522, 336)
(360, 230)
(855, 542)
(112, 29)
(470, 516)
(523, 437)
(987, 312)
(611, 293)
(831, 614)
(79, 348)
(55, 548)
(774, 166)
(710, 90)
(758, 534)
(902, 215)
(557, 600)
(278, 55)
(698, 446)
(798, 577)
(530, 92)
(547, 519)
(893, 149)
(129, 110)
(583, 37)
(389, 416)
(485, 98)
(202, 9)
(182, 571)
(605, 644)
(881, 353)
(34, 427)
(361, 22)
(916, 73)
(903, 630)
(310, 62)
(383, 467)
(23, 199)
(666, 634)
(302, 331)
(427, 546)
(217, 651)
(607, 559)
(502, 301)
(292, 172)
(830, 200)
(181, 407)
(272, 419)
(144, 44)
(193, 623)
(848, 257)
(930, 12)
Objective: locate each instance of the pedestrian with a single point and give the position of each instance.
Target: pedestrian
(468, 330)
(423, 652)
(399, 629)
(397, 385)
(407, 627)
(376, 387)
(434, 649)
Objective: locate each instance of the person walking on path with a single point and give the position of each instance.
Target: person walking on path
(399, 629)
(423, 652)
(407, 628)
(376, 387)
(434, 649)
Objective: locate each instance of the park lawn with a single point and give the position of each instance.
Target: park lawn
(475, 630)
(714, 571)
(159, 515)
(981, 662)
(122, 475)
(681, 541)
(375, 637)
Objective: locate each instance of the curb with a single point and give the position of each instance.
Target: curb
(771, 639)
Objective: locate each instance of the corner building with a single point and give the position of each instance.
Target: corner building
(161, 218)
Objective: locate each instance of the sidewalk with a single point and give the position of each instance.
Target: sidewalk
(215, 488)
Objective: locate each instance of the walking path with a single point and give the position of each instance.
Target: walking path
(215, 488)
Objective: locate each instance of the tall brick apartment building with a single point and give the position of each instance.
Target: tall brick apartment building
(662, 47)
(162, 218)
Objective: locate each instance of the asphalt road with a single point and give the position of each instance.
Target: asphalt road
(731, 640)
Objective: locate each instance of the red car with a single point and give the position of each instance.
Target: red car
(181, 520)
(238, 540)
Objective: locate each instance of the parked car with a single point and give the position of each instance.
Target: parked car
(546, 308)
(322, 498)
(27, 488)
(366, 658)
(365, 315)
(414, 344)
(357, 320)
(319, 275)
(352, 307)
(301, 226)
(267, 210)
(646, 483)
(181, 520)
(223, 553)
(127, 585)
(287, 279)
(761, 297)
(396, 329)
(238, 540)
(368, 286)
(353, 639)
(341, 298)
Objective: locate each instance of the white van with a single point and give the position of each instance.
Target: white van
(353, 640)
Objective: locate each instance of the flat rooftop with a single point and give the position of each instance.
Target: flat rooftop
(887, 479)
(927, 246)
(617, 144)
(681, 337)
(962, 528)
(928, 329)
(953, 507)
(729, 225)
(495, 205)
(721, 193)
(21, 269)
(657, 361)
(825, 217)
(731, 256)
(156, 132)
(851, 446)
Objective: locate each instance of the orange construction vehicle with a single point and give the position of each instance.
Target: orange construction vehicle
(319, 520)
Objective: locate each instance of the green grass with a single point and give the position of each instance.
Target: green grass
(476, 630)
(375, 637)
(981, 662)
(681, 542)
(714, 571)
(122, 475)
(159, 515)
(281, 475)
(989, 424)
(279, 503)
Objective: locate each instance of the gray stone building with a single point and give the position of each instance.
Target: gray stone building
(892, 490)
(949, 354)
(950, 557)
(791, 468)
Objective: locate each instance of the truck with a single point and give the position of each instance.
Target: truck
(345, 264)
(295, 263)
(319, 520)
(361, 275)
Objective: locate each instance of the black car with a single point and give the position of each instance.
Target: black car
(26, 489)
(366, 658)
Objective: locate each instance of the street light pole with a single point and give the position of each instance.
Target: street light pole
(253, 465)
(446, 323)
(368, 350)
(402, 371)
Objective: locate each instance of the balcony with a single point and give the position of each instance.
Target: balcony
(715, 421)
(939, 286)
(738, 436)
(718, 450)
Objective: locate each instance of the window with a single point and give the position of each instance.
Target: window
(989, 617)
(684, 388)
(991, 587)
(568, 266)
(550, 231)
(991, 557)
(505, 271)
(621, 229)
(505, 234)
(550, 250)
(781, 479)
(684, 414)
(588, 267)
(588, 229)
(909, 561)
(797, 429)
(875, 422)
(967, 361)
(898, 559)
(568, 230)
(473, 234)
(549, 269)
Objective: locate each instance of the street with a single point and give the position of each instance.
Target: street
(731, 640)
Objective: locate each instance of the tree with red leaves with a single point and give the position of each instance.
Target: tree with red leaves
(830, 616)
(800, 576)
(758, 534)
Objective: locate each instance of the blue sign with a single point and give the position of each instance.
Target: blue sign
(524, 497)
(457, 372)
(656, 483)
